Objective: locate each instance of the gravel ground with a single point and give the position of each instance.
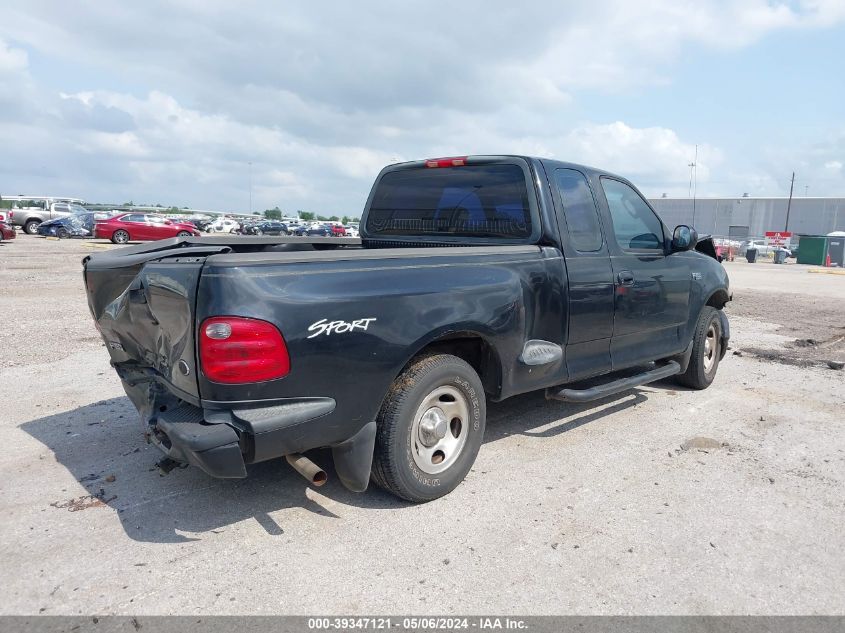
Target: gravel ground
(569, 509)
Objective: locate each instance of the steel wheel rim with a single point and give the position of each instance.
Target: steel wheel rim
(711, 345)
(439, 430)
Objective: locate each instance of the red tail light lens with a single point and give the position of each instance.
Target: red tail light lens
(455, 161)
(236, 350)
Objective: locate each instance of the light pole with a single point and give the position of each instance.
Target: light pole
(250, 187)
(693, 182)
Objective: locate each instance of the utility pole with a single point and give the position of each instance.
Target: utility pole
(806, 188)
(789, 203)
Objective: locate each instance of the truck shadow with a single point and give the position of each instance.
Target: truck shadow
(102, 447)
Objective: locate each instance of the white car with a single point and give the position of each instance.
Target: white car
(352, 231)
(763, 249)
(223, 225)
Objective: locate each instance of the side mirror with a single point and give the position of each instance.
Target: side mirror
(684, 238)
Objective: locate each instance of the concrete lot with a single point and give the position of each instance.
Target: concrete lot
(569, 509)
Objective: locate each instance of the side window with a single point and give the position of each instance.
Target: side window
(635, 225)
(134, 217)
(579, 209)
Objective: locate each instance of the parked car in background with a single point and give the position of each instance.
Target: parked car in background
(30, 217)
(267, 227)
(7, 231)
(763, 248)
(199, 223)
(223, 225)
(141, 226)
(323, 230)
(301, 230)
(351, 231)
(81, 225)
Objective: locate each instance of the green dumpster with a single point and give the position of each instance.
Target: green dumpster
(812, 249)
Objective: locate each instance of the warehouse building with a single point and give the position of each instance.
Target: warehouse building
(747, 216)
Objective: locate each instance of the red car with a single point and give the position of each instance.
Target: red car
(141, 226)
(7, 231)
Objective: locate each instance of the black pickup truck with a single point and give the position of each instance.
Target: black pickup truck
(474, 278)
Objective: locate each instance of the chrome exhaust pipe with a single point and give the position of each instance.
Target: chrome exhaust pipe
(307, 469)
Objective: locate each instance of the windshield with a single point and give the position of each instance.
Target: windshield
(471, 201)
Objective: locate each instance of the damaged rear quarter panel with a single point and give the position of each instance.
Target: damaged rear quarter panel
(145, 314)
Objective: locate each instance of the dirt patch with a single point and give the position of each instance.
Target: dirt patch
(815, 324)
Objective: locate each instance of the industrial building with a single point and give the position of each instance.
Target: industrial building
(747, 216)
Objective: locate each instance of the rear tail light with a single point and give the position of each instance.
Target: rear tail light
(236, 350)
(455, 161)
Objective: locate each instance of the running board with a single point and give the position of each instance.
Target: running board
(608, 389)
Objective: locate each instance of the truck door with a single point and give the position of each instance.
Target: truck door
(652, 285)
(590, 276)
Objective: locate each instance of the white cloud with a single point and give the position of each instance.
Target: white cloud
(12, 60)
(649, 153)
(173, 101)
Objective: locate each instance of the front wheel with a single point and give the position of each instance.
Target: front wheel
(120, 237)
(430, 428)
(184, 234)
(706, 351)
(62, 234)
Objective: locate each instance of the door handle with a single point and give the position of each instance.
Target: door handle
(625, 278)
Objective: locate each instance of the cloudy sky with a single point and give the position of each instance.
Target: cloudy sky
(170, 102)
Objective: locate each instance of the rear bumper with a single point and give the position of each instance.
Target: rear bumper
(214, 448)
(222, 441)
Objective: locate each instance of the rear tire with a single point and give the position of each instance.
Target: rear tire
(120, 237)
(430, 428)
(706, 351)
(62, 233)
(31, 227)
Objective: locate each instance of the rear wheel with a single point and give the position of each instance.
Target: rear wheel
(31, 227)
(706, 351)
(259, 232)
(62, 233)
(430, 428)
(120, 237)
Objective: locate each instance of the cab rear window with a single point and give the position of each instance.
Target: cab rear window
(467, 201)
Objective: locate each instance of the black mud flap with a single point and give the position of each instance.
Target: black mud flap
(353, 459)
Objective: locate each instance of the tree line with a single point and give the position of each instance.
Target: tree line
(309, 216)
